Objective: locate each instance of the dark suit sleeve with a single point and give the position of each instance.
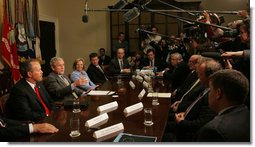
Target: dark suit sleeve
(207, 134)
(113, 68)
(204, 116)
(11, 132)
(56, 91)
(20, 106)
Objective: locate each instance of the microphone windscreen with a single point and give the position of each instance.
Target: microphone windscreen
(131, 14)
(120, 4)
(85, 18)
(214, 55)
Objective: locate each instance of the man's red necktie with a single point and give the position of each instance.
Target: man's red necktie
(47, 111)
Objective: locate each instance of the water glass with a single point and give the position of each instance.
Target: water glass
(75, 126)
(76, 105)
(148, 117)
(155, 99)
(119, 79)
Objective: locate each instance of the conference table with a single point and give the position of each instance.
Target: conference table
(126, 97)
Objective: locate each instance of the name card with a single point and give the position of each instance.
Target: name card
(132, 85)
(133, 109)
(145, 84)
(97, 121)
(107, 107)
(108, 132)
(161, 95)
(139, 78)
(141, 94)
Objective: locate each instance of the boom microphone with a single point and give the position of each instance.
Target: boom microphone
(131, 14)
(214, 55)
(85, 18)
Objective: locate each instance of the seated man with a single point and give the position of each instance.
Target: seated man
(120, 64)
(95, 71)
(177, 71)
(188, 122)
(228, 91)
(79, 72)
(29, 100)
(58, 84)
(151, 62)
(12, 129)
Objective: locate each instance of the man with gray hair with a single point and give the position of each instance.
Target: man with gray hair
(58, 84)
(177, 71)
(187, 123)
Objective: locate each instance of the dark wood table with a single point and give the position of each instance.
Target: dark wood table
(132, 124)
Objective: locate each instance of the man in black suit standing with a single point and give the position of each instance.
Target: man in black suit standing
(103, 58)
(120, 64)
(12, 129)
(58, 84)
(228, 91)
(95, 71)
(29, 100)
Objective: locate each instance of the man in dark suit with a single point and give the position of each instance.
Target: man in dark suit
(29, 100)
(228, 91)
(95, 71)
(190, 79)
(120, 64)
(12, 129)
(103, 58)
(177, 71)
(187, 123)
(58, 84)
(151, 61)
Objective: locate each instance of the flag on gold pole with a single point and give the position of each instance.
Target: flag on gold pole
(9, 48)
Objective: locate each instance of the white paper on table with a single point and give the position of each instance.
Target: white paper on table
(100, 92)
(161, 95)
(109, 132)
(97, 121)
(107, 107)
(133, 109)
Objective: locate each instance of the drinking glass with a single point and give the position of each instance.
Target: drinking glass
(75, 126)
(148, 117)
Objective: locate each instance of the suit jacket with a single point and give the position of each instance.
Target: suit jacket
(58, 89)
(157, 63)
(95, 74)
(177, 75)
(114, 67)
(12, 130)
(198, 116)
(190, 97)
(233, 125)
(24, 104)
(106, 61)
(190, 79)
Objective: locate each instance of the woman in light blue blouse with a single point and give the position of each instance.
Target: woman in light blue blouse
(78, 72)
